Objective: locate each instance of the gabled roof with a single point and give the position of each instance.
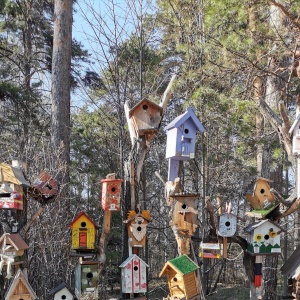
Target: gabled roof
(58, 288)
(185, 116)
(20, 276)
(130, 258)
(255, 225)
(292, 265)
(12, 174)
(181, 264)
(79, 216)
(145, 102)
(297, 120)
(15, 240)
(250, 188)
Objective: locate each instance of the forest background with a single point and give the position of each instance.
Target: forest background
(237, 65)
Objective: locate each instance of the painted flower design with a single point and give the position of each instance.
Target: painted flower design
(258, 237)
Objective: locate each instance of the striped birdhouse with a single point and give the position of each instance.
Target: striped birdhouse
(134, 275)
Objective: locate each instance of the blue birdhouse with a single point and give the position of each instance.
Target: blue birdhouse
(181, 140)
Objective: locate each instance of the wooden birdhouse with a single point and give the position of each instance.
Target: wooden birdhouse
(134, 275)
(227, 225)
(210, 250)
(83, 232)
(184, 212)
(111, 193)
(86, 280)
(263, 237)
(61, 292)
(295, 134)
(44, 188)
(12, 248)
(181, 276)
(146, 117)
(20, 288)
(12, 184)
(137, 227)
(259, 195)
(181, 140)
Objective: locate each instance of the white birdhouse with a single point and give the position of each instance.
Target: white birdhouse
(61, 292)
(227, 225)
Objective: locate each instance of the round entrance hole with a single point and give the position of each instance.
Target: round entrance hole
(139, 228)
(89, 275)
(262, 191)
(175, 279)
(113, 189)
(63, 297)
(227, 223)
(186, 131)
(267, 237)
(135, 268)
(82, 224)
(184, 206)
(145, 107)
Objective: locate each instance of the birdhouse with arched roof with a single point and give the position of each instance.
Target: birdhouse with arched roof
(84, 231)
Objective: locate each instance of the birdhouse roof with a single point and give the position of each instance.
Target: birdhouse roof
(145, 102)
(130, 258)
(296, 122)
(13, 175)
(79, 216)
(189, 114)
(181, 264)
(58, 288)
(250, 188)
(291, 267)
(255, 225)
(20, 277)
(15, 240)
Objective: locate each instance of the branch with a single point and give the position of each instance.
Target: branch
(167, 94)
(131, 129)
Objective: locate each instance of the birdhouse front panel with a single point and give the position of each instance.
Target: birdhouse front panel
(263, 238)
(176, 284)
(134, 276)
(111, 193)
(83, 233)
(227, 225)
(11, 196)
(86, 280)
(63, 294)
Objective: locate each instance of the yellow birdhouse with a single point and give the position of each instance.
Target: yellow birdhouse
(83, 232)
(137, 227)
(181, 276)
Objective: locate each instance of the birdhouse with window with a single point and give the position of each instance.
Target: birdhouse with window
(295, 134)
(134, 275)
(181, 140)
(259, 195)
(227, 225)
(111, 193)
(137, 227)
(20, 288)
(83, 233)
(263, 237)
(210, 250)
(12, 184)
(184, 213)
(61, 292)
(146, 117)
(86, 280)
(44, 188)
(181, 276)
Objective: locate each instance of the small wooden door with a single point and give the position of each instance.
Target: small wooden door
(82, 239)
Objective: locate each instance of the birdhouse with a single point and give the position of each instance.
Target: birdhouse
(184, 212)
(86, 280)
(12, 182)
(259, 195)
(137, 227)
(210, 250)
(20, 288)
(146, 117)
(83, 232)
(295, 134)
(263, 237)
(111, 193)
(61, 292)
(181, 276)
(44, 188)
(227, 225)
(134, 275)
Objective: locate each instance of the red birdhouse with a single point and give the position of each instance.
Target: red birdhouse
(111, 193)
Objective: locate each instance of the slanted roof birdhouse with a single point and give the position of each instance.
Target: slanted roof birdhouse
(227, 225)
(61, 292)
(14, 244)
(44, 188)
(111, 193)
(259, 195)
(12, 182)
(263, 237)
(86, 280)
(146, 116)
(295, 134)
(20, 288)
(181, 276)
(134, 275)
(83, 232)
(137, 227)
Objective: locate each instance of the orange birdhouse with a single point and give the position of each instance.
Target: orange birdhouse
(111, 193)
(137, 227)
